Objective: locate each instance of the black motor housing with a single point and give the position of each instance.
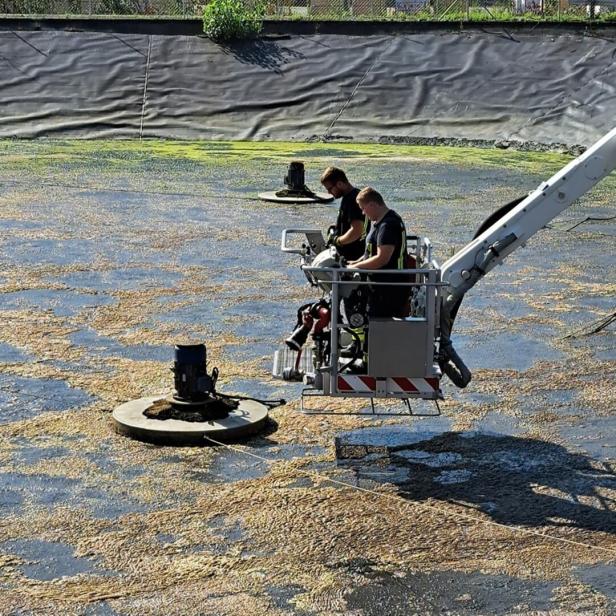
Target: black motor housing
(295, 179)
(192, 382)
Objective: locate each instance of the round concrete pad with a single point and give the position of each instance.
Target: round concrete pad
(271, 196)
(129, 420)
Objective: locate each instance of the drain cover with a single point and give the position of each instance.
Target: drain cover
(307, 198)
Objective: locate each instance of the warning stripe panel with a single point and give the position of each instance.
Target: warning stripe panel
(403, 384)
(356, 383)
(395, 385)
(412, 386)
(433, 382)
(369, 382)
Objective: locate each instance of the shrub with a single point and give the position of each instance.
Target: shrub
(227, 20)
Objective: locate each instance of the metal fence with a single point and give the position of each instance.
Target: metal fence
(401, 10)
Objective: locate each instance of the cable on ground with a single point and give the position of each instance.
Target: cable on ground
(592, 328)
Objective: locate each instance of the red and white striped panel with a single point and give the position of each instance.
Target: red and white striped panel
(395, 385)
(357, 384)
(404, 385)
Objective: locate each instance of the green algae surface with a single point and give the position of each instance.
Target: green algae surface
(41, 154)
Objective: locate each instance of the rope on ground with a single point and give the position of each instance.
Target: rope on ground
(579, 222)
(592, 328)
(270, 404)
(402, 502)
(589, 219)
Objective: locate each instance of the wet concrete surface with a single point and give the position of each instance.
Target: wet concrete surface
(99, 285)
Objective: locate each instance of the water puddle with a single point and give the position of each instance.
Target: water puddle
(119, 279)
(593, 435)
(230, 466)
(64, 303)
(19, 225)
(103, 346)
(18, 489)
(46, 560)
(24, 398)
(30, 454)
(22, 252)
(498, 424)
(504, 350)
(602, 578)
(12, 355)
(120, 472)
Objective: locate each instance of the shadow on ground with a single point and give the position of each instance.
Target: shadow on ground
(515, 480)
(264, 53)
(445, 592)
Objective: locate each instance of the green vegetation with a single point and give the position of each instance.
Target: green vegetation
(75, 8)
(125, 153)
(237, 19)
(475, 14)
(196, 168)
(228, 20)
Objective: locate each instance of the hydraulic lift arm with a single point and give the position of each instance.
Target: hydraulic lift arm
(462, 271)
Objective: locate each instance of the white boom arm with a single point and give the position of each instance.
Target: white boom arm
(529, 216)
(512, 230)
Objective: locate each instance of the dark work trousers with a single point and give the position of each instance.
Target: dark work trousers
(386, 302)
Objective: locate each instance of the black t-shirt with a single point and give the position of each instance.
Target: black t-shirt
(348, 212)
(389, 231)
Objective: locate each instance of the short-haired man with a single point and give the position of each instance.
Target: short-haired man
(385, 249)
(351, 224)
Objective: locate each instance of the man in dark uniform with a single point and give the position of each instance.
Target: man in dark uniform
(385, 249)
(349, 234)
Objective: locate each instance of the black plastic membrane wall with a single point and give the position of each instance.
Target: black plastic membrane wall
(545, 87)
